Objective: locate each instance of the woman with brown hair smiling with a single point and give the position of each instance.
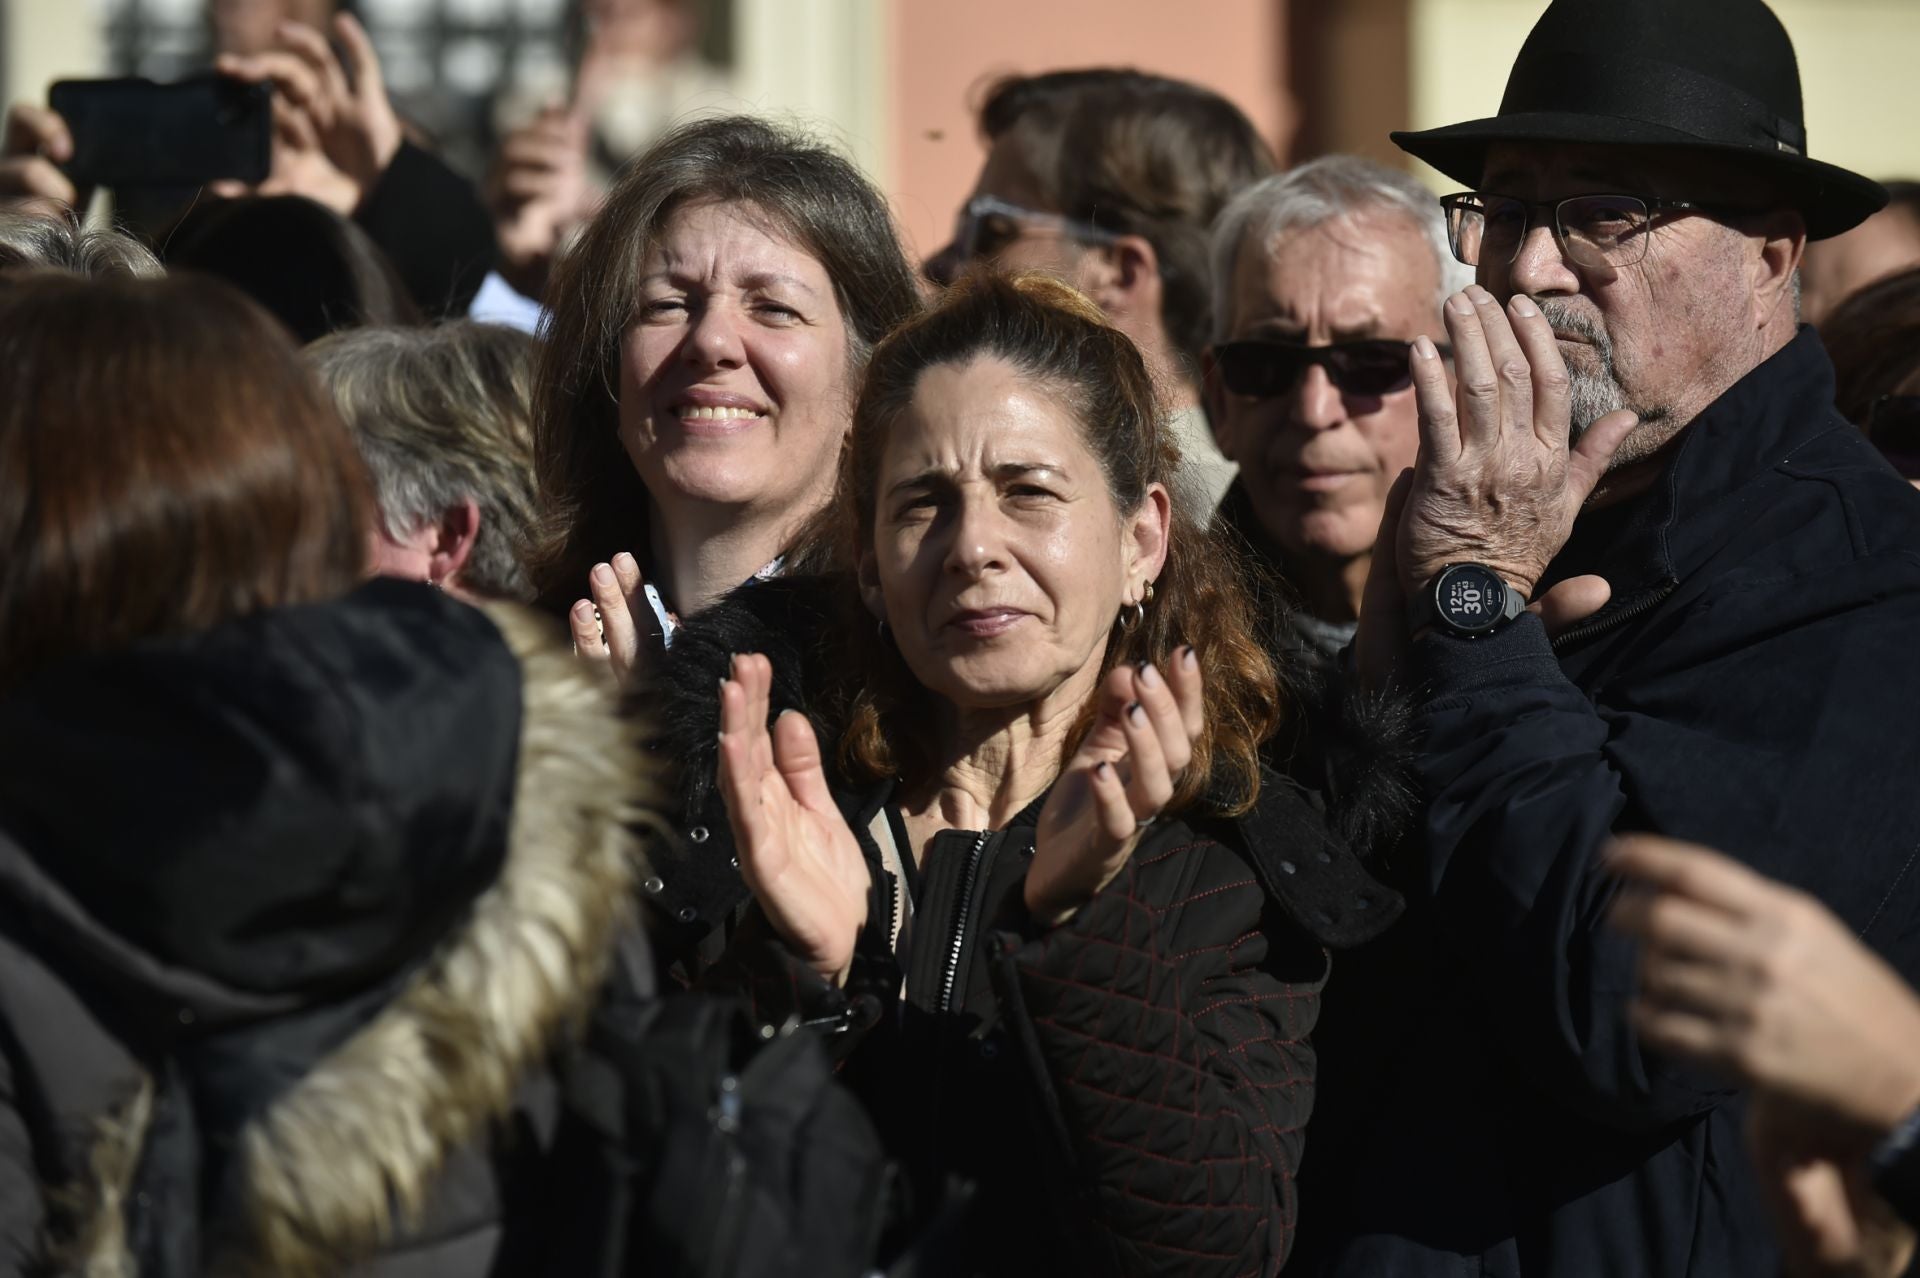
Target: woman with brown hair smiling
(698, 374)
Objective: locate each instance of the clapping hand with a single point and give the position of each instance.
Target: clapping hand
(796, 850)
(1118, 781)
(612, 641)
(335, 133)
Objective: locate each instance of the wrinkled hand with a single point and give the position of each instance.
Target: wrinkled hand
(1496, 482)
(35, 143)
(334, 134)
(796, 851)
(1829, 1221)
(1381, 642)
(1123, 774)
(539, 192)
(618, 640)
(1760, 981)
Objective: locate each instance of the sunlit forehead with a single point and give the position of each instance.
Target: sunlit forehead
(984, 422)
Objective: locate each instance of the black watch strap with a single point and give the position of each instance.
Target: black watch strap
(1465, 600)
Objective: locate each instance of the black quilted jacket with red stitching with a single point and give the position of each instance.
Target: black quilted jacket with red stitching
(1123, 1094)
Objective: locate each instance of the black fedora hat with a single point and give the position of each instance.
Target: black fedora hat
(1709, 75)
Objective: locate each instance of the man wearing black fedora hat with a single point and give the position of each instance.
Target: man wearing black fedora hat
(1644, 439)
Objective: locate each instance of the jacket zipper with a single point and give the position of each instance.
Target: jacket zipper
(960, 921)
(1635, 609)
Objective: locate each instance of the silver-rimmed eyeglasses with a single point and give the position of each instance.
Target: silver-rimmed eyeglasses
(1592, 230)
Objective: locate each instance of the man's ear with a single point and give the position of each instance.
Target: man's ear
(1148, 533)
(1123, 277)
(455, 535)
(1780, 241)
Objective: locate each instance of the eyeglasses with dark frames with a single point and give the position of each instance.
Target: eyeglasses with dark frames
(1592, 230)
(1264, 367)
(989, 224)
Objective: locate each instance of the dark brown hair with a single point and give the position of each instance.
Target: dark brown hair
(166, 463)
(593, 502)
(1060, 340)
(1873, 338)
(1136, 154)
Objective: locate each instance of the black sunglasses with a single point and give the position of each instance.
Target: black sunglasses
(1264, 368)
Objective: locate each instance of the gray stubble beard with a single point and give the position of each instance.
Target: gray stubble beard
(1592, 394)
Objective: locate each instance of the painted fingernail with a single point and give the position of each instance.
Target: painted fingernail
(1523, 306)
(1189, 658)
(1149, 677)
(1135, 715)
(1102, 770)
(1423, 347)
(602, 575)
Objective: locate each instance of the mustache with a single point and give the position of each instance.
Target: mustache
(1565, 317)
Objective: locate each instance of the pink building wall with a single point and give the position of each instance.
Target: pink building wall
(945, 52)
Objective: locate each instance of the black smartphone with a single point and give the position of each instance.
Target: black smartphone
(133, 132)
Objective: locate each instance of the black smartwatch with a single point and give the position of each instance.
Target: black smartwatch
(1466, 600)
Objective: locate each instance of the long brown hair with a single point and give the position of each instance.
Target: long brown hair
(593, 503)
(1061, 340)
(166, 463)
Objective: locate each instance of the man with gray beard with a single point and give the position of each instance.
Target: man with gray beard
(1643, 433)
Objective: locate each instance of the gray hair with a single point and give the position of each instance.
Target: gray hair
(443, 415)
(57, 242)
(1316, 192)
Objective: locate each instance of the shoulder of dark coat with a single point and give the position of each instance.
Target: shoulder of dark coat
(1307, 870)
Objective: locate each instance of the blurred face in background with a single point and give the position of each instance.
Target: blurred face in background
(251, 26)
(1317, 459)
(1836, 268)
(1006, 221)
(734, 377)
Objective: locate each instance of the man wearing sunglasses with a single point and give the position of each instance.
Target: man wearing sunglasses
(1635, 415)
(1109, 178)
(1323, 276)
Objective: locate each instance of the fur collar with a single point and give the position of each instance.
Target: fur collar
(345, 1160)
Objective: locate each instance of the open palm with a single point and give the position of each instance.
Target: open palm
(796, 850)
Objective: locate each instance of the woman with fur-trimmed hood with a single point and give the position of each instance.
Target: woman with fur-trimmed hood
(303, 882)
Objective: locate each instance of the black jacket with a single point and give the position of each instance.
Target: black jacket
(1126, 1091)
(1751, 686)
(291, 914)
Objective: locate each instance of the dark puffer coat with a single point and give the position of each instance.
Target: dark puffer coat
(1125, 1093)
(292, 913)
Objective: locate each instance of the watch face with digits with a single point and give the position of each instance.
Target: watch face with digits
(1470, 599)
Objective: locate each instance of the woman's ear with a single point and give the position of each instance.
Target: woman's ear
(1146, 537)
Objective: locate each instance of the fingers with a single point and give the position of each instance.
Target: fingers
(1551, 387)
(1113, 808)
(584, 624)
(1593, 452)
(313, 51)
(1475, 375)
(1513, 370)
(362, 61)
(754, 674)
(796, 753)
(1571, 602)
(1189, 693)
(626, 572)
(33, 130)
(1433, 397)
(1690, 871)
(616, 619)
(34, 177)
(1149, 777)
(290, 75)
